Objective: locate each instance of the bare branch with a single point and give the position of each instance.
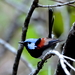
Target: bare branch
(23, 37)
(69, 65)
(64, 67)
(63, 2)
(57, 5)
(61, 61)
(69, 58)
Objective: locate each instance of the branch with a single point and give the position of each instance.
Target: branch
(61, 62)
(14, 51)
(69, 50)
(64, 2)
(23, 37)
(57, 5)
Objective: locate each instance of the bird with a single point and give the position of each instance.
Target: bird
(37, 48)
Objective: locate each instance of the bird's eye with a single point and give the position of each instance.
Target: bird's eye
(29, 42)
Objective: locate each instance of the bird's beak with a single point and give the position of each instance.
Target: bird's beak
(21, 42)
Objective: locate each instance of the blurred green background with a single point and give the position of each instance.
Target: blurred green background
(12, 16)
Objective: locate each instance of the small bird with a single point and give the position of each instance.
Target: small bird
(38, 47)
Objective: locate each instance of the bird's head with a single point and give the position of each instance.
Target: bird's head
(29, 43)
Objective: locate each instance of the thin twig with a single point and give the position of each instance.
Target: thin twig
(69, 58)
(64, 67)
(69, 65)
(14, 51)
(57, 5)
(63, 2)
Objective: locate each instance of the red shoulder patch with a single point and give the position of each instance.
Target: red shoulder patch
(41, 43)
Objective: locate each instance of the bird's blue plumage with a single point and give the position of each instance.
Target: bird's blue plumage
(32, 44)
(31, 40)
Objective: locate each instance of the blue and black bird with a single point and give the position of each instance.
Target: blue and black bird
(38, 47)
